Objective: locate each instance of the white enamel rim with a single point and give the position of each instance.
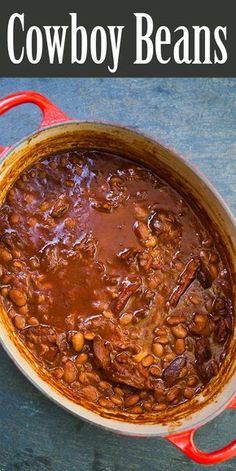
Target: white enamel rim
(209, 411)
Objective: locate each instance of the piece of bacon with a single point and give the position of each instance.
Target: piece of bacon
(185, 278)
(126, 372)
(124, 296)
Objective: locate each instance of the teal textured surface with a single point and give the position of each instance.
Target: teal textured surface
(197, 118)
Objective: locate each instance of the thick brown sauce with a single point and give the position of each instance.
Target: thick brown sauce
(113, 282)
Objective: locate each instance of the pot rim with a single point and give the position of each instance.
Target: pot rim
(114, 425)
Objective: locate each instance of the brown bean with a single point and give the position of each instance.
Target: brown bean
(58, 373)
(18, 264)
(195, 299)
(157, 349)
(140, 212)
(23, 310)
(78, 341)
(179, 331)
(188, 393)
(4, 291)
(29, 198)
(155, 370)
(13, 218)
(213, 269)
(70, 372)
(209, 304)
(160, 330)
(151, 241)
(92, 377)
(81, 359)
(200, 319)
(104, 385)
(136, 410)
(163, 339)
(44, 206)
(147, 406)
(173, 393)
(18, 297)
(175, 320)
(179, 346)
(192, 381)
(126, 318)
(131, 400)
(33, 321)
(89, 335)
(83, 377)
(89, 392)
(19, 322)
(106, 403)
(148, 360)
(5, 255)
(183, 372)
(119, 391)
(40, 298)
(169, 357)
(117, 400)
(159, 407)
(140, 356)
(107, 314)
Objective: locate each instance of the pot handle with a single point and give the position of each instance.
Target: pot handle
(185, 442)
(51, 114)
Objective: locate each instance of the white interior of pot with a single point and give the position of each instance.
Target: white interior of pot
(131, 145)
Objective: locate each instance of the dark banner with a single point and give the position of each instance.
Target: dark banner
(124, 39)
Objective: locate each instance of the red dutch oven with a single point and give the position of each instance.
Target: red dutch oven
(58, 132)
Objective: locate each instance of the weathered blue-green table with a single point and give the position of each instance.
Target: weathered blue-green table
(195, 116)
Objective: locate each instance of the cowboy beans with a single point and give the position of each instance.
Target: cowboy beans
(117, 287)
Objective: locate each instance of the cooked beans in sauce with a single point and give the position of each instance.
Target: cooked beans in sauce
(114, 282)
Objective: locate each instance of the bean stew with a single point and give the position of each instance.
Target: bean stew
(114, 282)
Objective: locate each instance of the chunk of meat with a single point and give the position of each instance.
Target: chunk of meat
(132, 373)
(172, 372)
(101, 352)
(128, 255)
(11, 240)
(165, 226)
(60, 207)
(204, 276)
(124, 296)
(41, 334)
(108, 330)
(184, 280)
(124, 370)
(208, 370)
(87, 246)
(202, 349)
(50, 257)
(222, 331)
